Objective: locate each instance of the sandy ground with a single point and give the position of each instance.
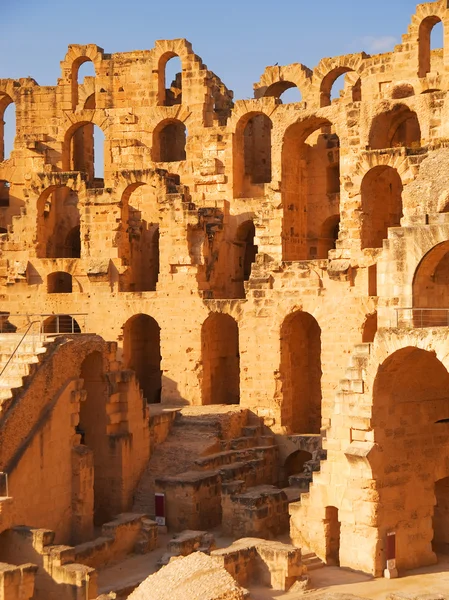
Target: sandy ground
(429, 580)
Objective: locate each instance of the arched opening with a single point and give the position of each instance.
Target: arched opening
(329, 235)
(92, 427)
(369, 328)
(173, 81)
(295, 465)
(334, 84)
(431, 40)
(431, 289)
(60, 324)
(410, 422)
(4, 193)
(246, 254)
(59, 283)
(286, 91)
(310, 189)
(301, 373)
(142, 354)
(83, 80)
(58, 224)
(7, 126)
(398, 127)
(381, 196)
(85, 148)
(140, 244)
(169, 142)
(221, 360)
(252, 155)
(332, 536)
(440, 542)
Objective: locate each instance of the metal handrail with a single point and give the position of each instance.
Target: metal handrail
(17, 347)
(43, 316)
(417, 317)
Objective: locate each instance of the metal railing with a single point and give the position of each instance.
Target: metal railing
(50, 323)
(14, 352)
(420, 318)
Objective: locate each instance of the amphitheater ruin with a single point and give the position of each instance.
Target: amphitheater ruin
(238, 331)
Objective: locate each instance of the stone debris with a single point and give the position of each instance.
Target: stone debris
(195, 577)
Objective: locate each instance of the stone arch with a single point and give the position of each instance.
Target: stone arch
(300, 371)
(5, 101)
(58, 223)
(76, 56)
(330, 69)
(431, 287)
(277, 79)
(395, 127)
(252, 154)
(220, 359)
(381, 203)
(59, 282)
(142, 354)
(163, 51)
(169, 141)
(79, 148)
(424, 40)
(139, 234)
(411, 386)
(311, 149)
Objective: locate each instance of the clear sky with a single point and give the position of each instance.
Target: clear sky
(235, 38)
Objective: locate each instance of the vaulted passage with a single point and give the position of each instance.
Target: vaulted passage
(59, 283)
(169, 142)
(221, 360)
(84, 152)
(411, 426)
(431, 289)
(310, 190)
(381, 205)
(142, 354)
(301, 373)
(93, 431)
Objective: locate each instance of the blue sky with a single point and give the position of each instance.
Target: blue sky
(236, 38)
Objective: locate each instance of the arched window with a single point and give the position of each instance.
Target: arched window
(170, 79)
(310, 189)
(431, 38)
(252, 155)
(86, 152)
(329, 235)
(59, 283)
(221, 360)
(7, 126)
(398, 127)
(83, 81)
(169, 142)
(431, 288)
(58, 224)
(381, 205)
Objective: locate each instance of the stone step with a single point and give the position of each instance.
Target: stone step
(352, 385)
(312, 562)
(251, 430)
(17, 369)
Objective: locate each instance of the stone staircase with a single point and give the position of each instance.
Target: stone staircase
(206, 440)
(22, 365)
